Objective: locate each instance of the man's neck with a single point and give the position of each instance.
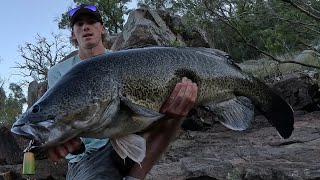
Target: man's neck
(87, 53)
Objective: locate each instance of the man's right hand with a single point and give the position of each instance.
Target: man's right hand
(61, 151)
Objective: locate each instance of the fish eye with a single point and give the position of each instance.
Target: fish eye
(36, 108)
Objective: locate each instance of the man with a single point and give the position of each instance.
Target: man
(95, 158)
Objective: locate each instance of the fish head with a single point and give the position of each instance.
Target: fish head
(56, 118)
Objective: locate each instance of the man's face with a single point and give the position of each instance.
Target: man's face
(87, 31)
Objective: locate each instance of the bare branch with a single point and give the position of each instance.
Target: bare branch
(308, 13)
(41, 55)
(2, 84)
(226, 20)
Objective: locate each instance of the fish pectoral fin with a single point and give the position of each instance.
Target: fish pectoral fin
(132, 146)
(236, 113)
(118, 149)
(140, 113)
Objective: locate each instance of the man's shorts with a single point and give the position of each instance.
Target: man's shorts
(103, 164)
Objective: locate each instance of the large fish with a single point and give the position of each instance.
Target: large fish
(117, 94)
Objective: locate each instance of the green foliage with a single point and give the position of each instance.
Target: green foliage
(112, 12)
(11, 107)
(237, 26)
(2, 98)
(243, 28)
(167, 5)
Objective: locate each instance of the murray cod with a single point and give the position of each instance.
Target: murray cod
(118, 94)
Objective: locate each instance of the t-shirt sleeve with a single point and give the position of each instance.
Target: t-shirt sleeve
(53, 76)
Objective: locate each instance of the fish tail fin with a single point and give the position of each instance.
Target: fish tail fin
(281, 116)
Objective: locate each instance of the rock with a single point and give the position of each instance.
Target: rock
(262, 68)
(265, 68)
(148, 27)
(110, 39)
(190, 34)
(9, 175)
(310, 57)
(10, 151)
(6, 176)
(198, 120)
(144, 27)
(45, 170)
(253, 154)
(299, 90)
(35, 91)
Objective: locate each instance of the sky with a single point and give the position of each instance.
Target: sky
(21, 21)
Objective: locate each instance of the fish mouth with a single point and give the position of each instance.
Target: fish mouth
(23, 132)
(42, 135)
(39, 132)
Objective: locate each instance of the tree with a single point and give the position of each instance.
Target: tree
(248, 28)
(309, 7)
(11, 107)
(3, 97)
(157, 4)
(41, 55)
(112, 12)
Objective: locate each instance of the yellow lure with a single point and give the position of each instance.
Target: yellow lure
(28, 164)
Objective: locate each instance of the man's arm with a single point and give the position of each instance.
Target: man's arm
(53, 76)
(177, 107)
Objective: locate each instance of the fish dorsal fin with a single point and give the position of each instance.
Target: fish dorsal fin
(236, 113)
(132, 146)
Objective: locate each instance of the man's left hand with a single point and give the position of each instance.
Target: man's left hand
(181, 100)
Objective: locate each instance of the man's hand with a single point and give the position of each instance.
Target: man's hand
(177, 106)
(61, 151)
(181, 100)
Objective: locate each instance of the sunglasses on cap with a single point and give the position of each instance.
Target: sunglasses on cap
(90, 7)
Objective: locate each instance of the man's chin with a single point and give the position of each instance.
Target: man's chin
(89, 45)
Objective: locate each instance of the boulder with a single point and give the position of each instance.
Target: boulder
(6, 176)
(257, 153)
(143, 27)
(265, 68)
(35, 91)
(191, 34)
(299, 90)
(10, 151)
(148, 27)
